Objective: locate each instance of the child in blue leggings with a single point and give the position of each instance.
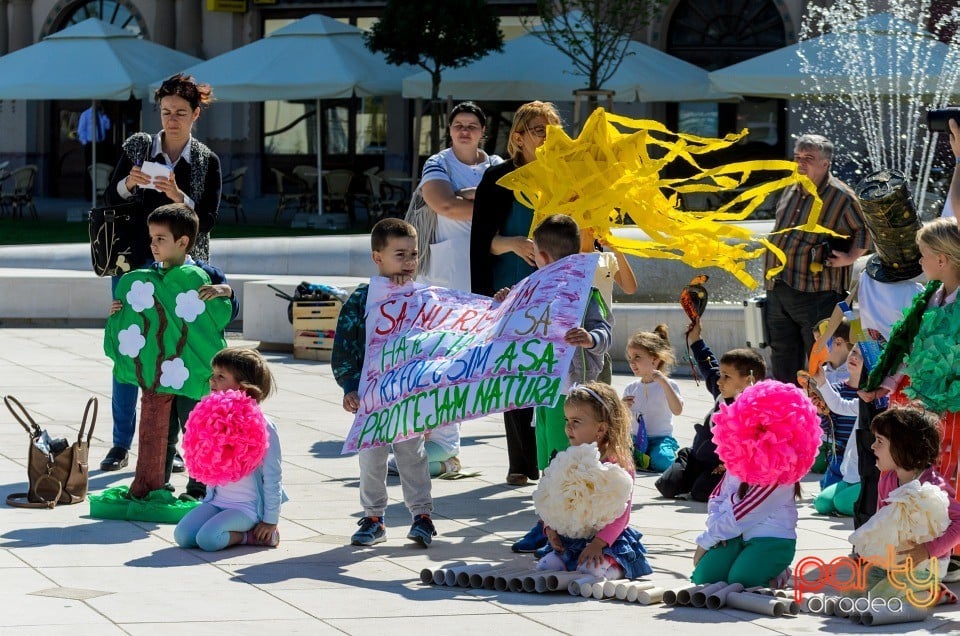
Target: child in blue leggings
(245, 511)
(654, 399)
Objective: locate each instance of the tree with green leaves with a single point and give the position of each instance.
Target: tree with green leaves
(594, 34)
(434, 35)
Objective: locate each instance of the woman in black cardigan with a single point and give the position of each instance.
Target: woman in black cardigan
(196, 179)
(501, 255)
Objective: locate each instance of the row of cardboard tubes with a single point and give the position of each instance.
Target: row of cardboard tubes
(758, 600)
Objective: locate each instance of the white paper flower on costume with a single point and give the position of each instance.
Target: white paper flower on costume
(578, 494)
(915, 512)
(173, 374)
(131, 341)
(189, 305)
(140, 296)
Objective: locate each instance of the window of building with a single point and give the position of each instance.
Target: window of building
(717, 33)
(117, 12)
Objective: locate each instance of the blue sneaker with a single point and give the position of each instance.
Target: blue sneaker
(532, 541)
(371, 532)
(422, 530)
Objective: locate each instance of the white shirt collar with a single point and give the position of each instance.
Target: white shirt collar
(158, 149)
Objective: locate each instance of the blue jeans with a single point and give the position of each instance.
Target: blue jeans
(123, 402)
(208, 527)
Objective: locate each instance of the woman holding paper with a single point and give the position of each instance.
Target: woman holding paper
(171, 166)
(155, 170)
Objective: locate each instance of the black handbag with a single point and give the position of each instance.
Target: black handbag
(113, 233)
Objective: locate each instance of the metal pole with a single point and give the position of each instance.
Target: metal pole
(319, 161)
(93, 140)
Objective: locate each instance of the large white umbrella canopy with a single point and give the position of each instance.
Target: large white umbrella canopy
(878, 55)
(315, 57)
(90, 60)
(530, 68)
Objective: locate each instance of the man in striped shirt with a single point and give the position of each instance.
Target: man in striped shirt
(816, 274)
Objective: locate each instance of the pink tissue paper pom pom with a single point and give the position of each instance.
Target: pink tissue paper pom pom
(225, 438)
(770, 435)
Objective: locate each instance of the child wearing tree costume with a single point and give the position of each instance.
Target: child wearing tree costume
(165, 326)
(921, 361)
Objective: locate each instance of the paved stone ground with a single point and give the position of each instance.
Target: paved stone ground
(61, 568)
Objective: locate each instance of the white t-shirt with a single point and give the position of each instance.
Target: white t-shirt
(607, 268)
(450, 250)
(240, 495)
(882, 304)
(650, 401)
(447, 437)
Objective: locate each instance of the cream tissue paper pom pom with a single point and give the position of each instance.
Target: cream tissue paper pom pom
(916, 512)
(578, 494)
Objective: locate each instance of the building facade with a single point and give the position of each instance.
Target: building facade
(358, 133)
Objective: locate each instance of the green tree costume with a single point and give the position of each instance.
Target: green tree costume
(163, 340)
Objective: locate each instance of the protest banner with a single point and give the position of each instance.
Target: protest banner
(435, 356)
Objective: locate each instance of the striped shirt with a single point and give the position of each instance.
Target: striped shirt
(840, 212)
(763, 511)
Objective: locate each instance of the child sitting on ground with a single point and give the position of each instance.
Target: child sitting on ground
(394, 250)
(844, 405)
(555, 238)
(653, 399)
(594, 415)
(697, 469)
(907, 444)
(767, 438)
(245, 511)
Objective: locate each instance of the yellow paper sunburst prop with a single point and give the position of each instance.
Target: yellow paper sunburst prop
(606, 177)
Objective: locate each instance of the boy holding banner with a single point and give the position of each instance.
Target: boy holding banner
(394, 250)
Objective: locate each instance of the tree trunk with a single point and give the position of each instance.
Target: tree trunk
(152, 453)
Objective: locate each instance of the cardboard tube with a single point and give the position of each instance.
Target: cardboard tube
(886, 616)
(574, 587)
(541, 585)
(478, 579)
(426, 575)
(756, 603)
(790, 606)
(515, 583)
(623, 589)
(816, 599)
(672, 597)
(439, 575)
(490, 578)
(598, 589)
(829, 606)
(464, 573)
(699, 598)
(556, 581)
(718, 598)
(610, 587)
(530, 581)
(502, 582)
(684, 595)
(650, 596)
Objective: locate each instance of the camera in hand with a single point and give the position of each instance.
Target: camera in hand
(937, 118)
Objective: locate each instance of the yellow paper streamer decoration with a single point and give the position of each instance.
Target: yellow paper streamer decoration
(606, 177)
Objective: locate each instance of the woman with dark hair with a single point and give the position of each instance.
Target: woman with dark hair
(501, 254)
(194, 180)
(447, 184)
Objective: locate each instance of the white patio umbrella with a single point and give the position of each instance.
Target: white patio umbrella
(879, 55)
(315, 57)
(91, 60)
(530, 68)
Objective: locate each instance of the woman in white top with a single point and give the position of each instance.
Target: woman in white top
(447, 184)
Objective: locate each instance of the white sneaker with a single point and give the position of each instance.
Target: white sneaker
(451, 465)
(953, 571)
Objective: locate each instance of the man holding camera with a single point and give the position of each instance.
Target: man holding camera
(816, 274)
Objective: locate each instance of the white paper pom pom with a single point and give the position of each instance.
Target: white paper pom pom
(578, 494)
(916, 512)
